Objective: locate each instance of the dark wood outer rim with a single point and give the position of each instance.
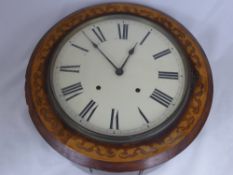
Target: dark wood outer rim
(116, 166)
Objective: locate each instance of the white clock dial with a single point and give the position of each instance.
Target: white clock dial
(118, 76)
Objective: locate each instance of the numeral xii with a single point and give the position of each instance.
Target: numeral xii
(123, 31)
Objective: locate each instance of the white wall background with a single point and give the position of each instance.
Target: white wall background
(22, 24)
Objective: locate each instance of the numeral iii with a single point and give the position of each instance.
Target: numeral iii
(168, 75)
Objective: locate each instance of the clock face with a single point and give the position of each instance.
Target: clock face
(119, 78)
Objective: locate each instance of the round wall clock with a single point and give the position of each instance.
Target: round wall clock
(118, 87)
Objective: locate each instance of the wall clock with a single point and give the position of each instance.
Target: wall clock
(118, 87)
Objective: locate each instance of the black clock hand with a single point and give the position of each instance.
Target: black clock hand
(130, 53)
(101, 52)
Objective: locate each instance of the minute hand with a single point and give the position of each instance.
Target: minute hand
(101, 52)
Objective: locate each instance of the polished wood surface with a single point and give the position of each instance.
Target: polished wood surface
(131, 157)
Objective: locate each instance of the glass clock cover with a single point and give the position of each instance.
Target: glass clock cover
(119, 78)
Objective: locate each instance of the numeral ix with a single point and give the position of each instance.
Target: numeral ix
(70, 68)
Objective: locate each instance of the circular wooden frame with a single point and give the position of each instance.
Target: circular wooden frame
(105, 156)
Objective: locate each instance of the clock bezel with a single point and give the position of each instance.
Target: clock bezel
(137, 138)
(90, 153)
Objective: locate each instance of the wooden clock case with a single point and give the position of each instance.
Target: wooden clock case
(110, 157)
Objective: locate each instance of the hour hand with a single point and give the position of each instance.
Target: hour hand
(101, 52)
(130, 53)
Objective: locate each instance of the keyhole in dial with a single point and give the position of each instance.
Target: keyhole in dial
(138, 90)
(98, 87)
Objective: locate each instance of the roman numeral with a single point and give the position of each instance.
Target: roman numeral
(161, 98)
(123, 31)
(145, 37)
(88, 110)
(168, 75)
(161, 54)
(70, 68)
(72, 91)
(99, 34)
(79, 47)
(143, 115)
(114, 123)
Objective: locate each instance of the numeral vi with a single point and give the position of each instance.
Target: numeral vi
(114, 123)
